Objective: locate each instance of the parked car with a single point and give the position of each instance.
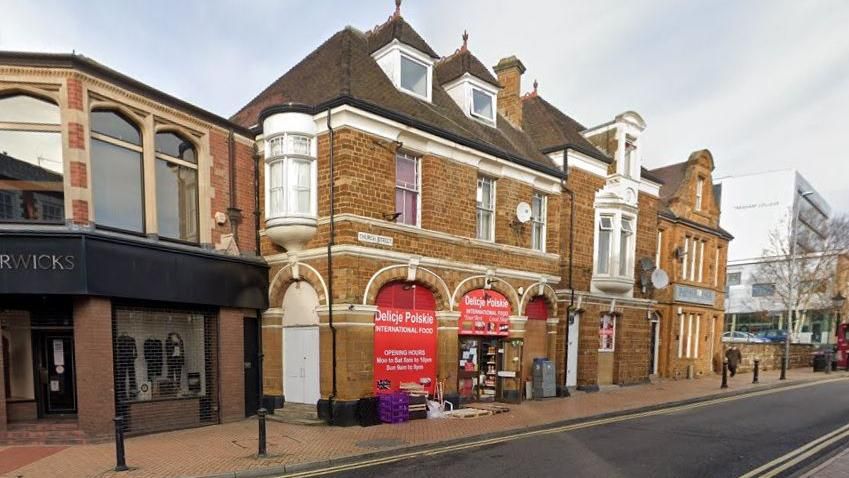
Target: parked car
(772, 335)
(742, 337)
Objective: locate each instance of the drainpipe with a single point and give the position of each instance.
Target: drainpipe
(330, 243)
(260, 354)
(571, 194)
(234, 214)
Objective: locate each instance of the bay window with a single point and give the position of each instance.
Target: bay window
(605, 237)
(538, 212)
(31, 166)
(626, 233)
(176, 187)
(290, 176)
(486, 209)
(116, 166)
(407, 183)
(614, 248)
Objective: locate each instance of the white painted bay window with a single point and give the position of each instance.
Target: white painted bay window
(615, 245)
(486, 209)
(538, 213)
(290, 176)
(626, 237)
(605, 237)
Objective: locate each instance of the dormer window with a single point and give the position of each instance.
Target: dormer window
(482, 105)
(414, 76)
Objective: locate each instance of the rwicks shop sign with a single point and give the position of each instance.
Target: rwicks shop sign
(404, 348)
(484, 312)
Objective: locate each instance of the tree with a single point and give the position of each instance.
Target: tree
(801, 267)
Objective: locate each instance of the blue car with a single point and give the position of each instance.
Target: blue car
(773, 335)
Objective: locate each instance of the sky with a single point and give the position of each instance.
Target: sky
(763, 84)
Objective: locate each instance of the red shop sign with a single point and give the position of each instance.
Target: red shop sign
(404, 348)
(487, 311)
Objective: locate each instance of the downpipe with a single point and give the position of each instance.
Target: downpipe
(330, 243)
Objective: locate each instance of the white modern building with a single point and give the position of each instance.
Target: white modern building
(754, 206)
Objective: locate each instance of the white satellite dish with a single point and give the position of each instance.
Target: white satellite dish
(523, 212)
(659, 279)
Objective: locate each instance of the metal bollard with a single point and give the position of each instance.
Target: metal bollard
(120, 460)
(783, 368)
(724, 374)
(755, 378)
(262, 452)
(828, 361)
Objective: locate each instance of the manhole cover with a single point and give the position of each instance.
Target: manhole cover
(381, 443)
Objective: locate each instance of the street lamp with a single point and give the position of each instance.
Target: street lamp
(837, 301)
(791, 279)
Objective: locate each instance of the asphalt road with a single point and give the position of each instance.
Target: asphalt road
(722, 440)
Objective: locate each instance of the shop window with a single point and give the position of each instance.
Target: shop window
(116, 167)
(31, 167)
(607, 333)
(165, 367)
(407, 186)
(538, 213)
(290, 176)
(486, 209)
(176, 187)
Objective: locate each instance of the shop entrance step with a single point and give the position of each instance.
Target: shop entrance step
(297, 414)
(42, 432)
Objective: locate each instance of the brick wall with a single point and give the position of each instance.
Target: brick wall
(219, 146)
(231, 363)
(93, 356)
(584, 185)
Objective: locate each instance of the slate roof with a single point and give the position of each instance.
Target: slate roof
(397, 29)
(460, 63)
(551, 129)
(671, 176)
(342, 71)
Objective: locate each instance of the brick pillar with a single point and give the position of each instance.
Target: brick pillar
(447, 350)
(354, 351)
(93, 361)
(231, 363)
(588, 348)
(272, 354)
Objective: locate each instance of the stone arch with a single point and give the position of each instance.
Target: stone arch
(45, 95)
(185, 133)
(400, 272)
(287, 276)
(496, 284)
(533, 291)
(135, 118)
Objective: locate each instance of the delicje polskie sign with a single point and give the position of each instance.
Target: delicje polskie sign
(404, 348)
(487, 312)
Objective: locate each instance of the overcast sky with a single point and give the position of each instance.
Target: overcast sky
(763, 84)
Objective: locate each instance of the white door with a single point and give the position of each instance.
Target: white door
(572, 352)
(300, 364)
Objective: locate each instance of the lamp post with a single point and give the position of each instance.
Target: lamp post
(837, 301)
(792, 277)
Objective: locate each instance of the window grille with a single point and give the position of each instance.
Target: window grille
(165, 366)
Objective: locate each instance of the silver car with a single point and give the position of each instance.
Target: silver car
(743, 337)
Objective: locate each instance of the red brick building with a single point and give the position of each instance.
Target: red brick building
(122, 291)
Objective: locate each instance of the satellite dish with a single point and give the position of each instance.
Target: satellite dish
(523, 212)
(659, 279)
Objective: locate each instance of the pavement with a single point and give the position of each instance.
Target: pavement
(230, 449)
(835, 467)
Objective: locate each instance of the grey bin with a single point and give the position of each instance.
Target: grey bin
(544, 385)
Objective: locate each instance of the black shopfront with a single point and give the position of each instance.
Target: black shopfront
(69, 299)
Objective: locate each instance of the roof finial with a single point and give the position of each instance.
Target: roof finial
(536, 85)
(397, 9)
(465, 41)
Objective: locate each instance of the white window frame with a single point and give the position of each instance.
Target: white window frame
(490, 212)
(689, 334)
(697, 336)
(686, 257)
(659, 248)
(488, 120)
(716, 268)
(628, 237)
(428, 76)
(614, 267)
(693, 242)
(539, 223)
(286, 156)
(680, 335)
(610, 243)
(700, 185)
(701, 259)
(418, 186)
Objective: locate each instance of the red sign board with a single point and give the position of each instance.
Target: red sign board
(487, 311)
(404, 348)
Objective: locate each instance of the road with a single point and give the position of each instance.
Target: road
(727, 439)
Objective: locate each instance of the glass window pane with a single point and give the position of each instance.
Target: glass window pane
(481, 103)
(413, 76)
(405, 172)
(31, 176)
(176, 201)
(300, 145)
(112, 124)
(117, 186)
(624, 238)
(603, 251)
(27, 109)
(299, 181)
(175, 146)
(275, 146)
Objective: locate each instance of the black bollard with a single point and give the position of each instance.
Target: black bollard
(828, 361)
(724, 374)
(755, 378)
(262, 452)
(120, 460)
(783, 368)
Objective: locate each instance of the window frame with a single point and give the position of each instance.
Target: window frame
(286, 156)
(626, 237)
(766, 286)
(428, 76)
(739, 278)
(418, 185)
(480, 209)
(159, 156)
(38, 127)
(700, 185)
(623, 268)
(473, 113)
(541, 222)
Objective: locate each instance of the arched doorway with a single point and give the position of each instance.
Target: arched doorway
(535, 346)
(405, 337)
(300, 344)
(483, 327)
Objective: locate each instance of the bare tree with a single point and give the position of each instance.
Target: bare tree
(802, 267)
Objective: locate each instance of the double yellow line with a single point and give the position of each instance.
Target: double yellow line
(784, 462)
(560, 429)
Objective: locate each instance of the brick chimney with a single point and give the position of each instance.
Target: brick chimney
(509, 71)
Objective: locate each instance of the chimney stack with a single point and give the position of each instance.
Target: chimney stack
(509, 71)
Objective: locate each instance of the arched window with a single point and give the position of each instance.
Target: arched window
(31, 167)
(176, 187)
(116, 170)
